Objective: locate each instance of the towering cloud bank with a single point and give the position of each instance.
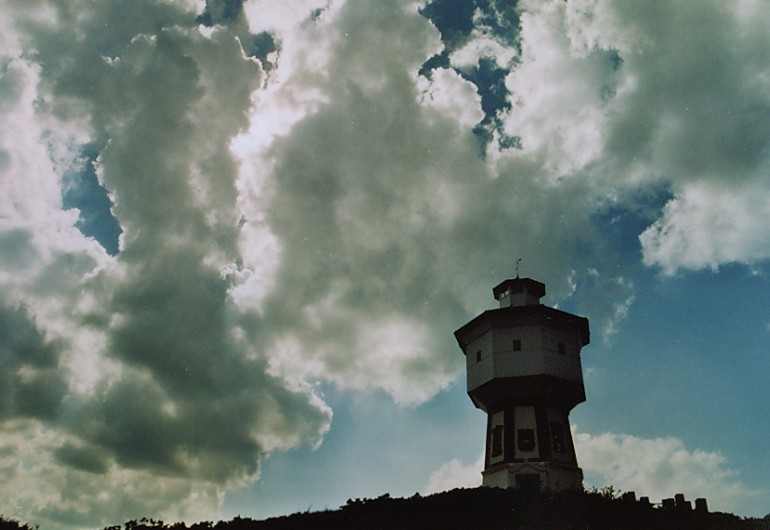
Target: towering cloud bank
(135, 376)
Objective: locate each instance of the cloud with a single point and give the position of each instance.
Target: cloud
(658, 468)
(83, 494)
(391, 227)
(619, 97)
(559, 95)
(688, 108)
(131, 376)
(455, 474)
(32, 386)
(709, 224)
(349, 208)
(447, 92)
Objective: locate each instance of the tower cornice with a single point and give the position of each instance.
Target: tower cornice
(518, 316)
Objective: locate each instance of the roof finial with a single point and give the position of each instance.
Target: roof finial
(517, 268)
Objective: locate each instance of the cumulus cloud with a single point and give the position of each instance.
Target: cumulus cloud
(32, 385)
(620, 97)
(134, 369)
(658, 468)
(708, 224)
(558, 94)
(455, 474)
(688, 109)
(87, 492)
(387, 217)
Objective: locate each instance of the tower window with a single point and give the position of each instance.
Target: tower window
(478, 356)
(525, 440)
(516, 345)
(562, 351)
(557, 438)
(497, 441)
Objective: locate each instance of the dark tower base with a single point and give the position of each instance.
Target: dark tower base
(530, 447)
(534, 476)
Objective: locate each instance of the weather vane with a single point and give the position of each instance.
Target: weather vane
(517, 267)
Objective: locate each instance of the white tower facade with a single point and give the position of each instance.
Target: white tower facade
(523, 367)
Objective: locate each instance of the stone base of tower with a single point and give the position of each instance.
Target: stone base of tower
(534, 476)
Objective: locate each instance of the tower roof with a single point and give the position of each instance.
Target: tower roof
(527, 315)
(519, 285)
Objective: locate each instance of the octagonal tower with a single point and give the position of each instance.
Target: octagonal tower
(523, 367)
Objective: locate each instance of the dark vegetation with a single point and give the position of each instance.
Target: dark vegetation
(485, 508)
(12, 524)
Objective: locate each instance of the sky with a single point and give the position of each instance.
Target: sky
(236, 237)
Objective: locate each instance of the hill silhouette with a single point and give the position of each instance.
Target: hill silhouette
(479, 508)
(482, 508)
(494, 508)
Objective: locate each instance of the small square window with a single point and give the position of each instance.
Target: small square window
(517, 345)
(478, 356)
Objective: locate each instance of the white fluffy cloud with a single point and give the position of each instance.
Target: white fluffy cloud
(559, 95)
(708, 224)
(455, 474)
(658, 468)
(447, 92)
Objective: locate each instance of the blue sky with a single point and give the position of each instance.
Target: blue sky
(236, 238)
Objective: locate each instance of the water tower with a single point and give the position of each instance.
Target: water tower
(523, 366)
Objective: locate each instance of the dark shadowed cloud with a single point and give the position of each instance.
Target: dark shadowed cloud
(32, 385)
